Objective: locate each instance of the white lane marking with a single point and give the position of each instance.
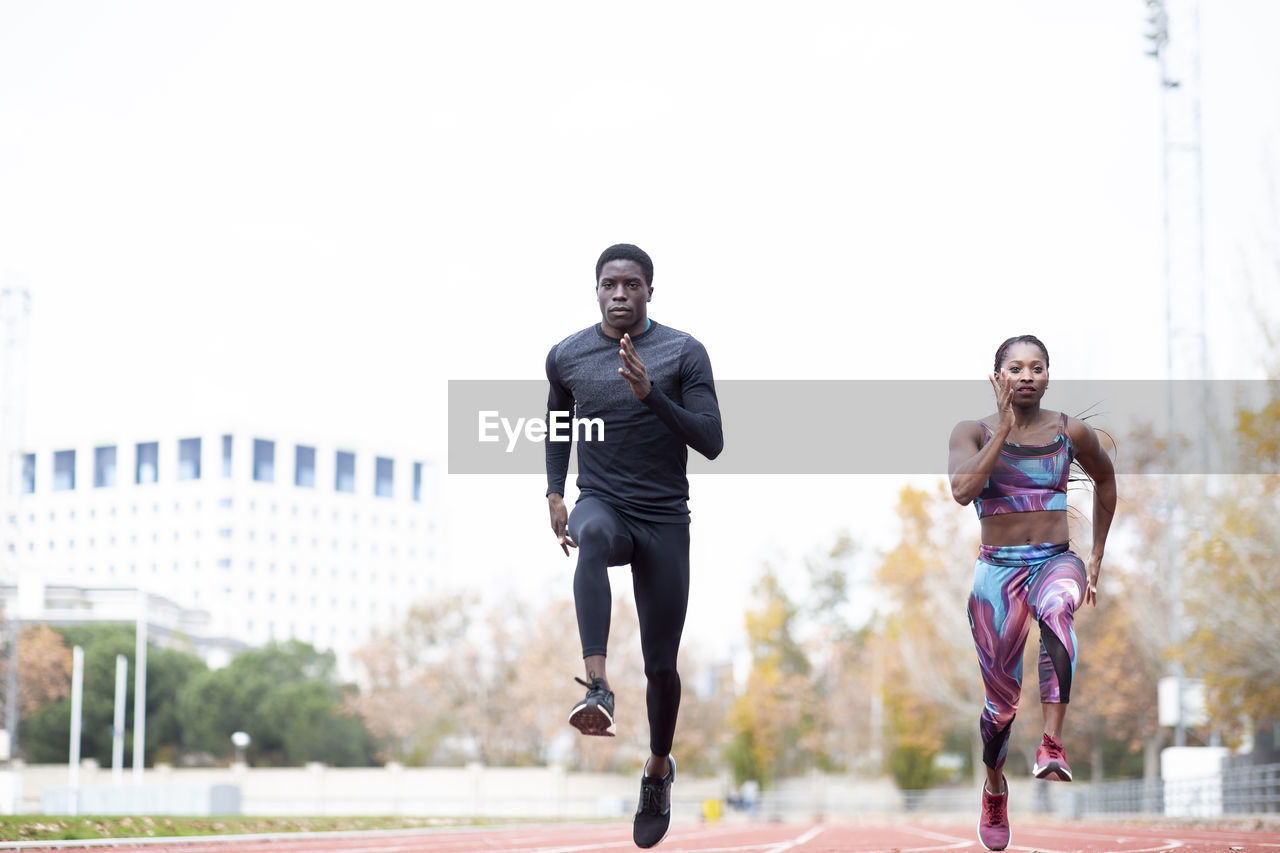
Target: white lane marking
(929, 833)
(760, 847)
(804, 838)
(1169, 844)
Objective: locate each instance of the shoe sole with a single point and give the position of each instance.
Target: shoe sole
(1052, 772)
(593, 720)
(654, 844)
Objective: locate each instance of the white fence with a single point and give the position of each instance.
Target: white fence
(317, 790)
(552, 792)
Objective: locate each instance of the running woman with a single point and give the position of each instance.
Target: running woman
(1013, 466)
(651, 385)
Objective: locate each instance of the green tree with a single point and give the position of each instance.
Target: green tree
(287, 698)
(45, 737)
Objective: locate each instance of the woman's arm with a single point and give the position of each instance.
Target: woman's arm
(1097, 464)
(970, 463)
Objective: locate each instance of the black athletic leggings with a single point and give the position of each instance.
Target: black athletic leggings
(659, 558)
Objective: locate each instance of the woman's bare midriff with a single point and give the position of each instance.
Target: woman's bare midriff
(1026, 528)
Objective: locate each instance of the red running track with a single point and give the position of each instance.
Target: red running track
(744, 838)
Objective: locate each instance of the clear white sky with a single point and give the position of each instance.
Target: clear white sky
(310, 212)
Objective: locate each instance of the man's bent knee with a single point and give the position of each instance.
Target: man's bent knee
(661, 672)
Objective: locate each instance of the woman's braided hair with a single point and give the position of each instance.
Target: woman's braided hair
(1020, 339)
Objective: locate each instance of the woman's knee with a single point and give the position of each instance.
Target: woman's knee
(1000, 718)
(1058, 611)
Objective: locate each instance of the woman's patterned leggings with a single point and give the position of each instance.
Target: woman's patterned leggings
(1011, 584)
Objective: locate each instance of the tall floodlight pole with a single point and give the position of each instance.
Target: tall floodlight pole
(1174, 40)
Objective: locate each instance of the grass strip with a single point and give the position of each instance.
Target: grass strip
(67, 828)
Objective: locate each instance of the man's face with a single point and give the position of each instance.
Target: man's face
(624, 298)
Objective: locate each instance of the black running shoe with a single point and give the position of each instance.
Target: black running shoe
(594, 714)
(653, 815)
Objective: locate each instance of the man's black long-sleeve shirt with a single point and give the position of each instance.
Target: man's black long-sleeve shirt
(639, 466)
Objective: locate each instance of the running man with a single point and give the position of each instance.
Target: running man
(651, 385)
(1013, 466)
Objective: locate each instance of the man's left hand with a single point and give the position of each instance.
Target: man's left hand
(633, 370)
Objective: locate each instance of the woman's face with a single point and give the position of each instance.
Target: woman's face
(1025, 364)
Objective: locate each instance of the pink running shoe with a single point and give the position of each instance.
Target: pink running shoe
(1051, 761)
(993, 826)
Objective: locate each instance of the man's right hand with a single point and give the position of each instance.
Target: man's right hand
(560, 522)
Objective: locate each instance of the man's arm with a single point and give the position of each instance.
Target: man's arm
(697, 422)
(559, 399)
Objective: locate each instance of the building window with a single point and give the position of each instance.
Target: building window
(383, 481)
(147, 470)
(188, 459)
(304, 468)
(264, 460)
(417, 482)
(64, 470)
(345, 478)
(104, 466)
(226, 456)
(28, 485)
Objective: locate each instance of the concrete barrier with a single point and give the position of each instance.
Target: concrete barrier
(193, 800)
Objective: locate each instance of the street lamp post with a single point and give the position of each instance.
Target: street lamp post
(240, 740)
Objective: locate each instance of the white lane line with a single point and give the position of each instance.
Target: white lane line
(956, 842)
(758, 847)
(1076, 833)
(573, 848)
(742, 848)
(1169, 844)
(804, 838)
(929, 833)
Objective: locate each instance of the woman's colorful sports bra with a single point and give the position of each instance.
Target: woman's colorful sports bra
(1028, 479)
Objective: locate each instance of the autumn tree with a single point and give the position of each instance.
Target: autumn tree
(1234, 593)
(808, 702)
(44, 668)
(532, 655)
(1112, 720)
(931, 684)
(707, 694)
(417, 681)
(840, 659)
(773, 714)
(461, 682)
(1124, 644)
